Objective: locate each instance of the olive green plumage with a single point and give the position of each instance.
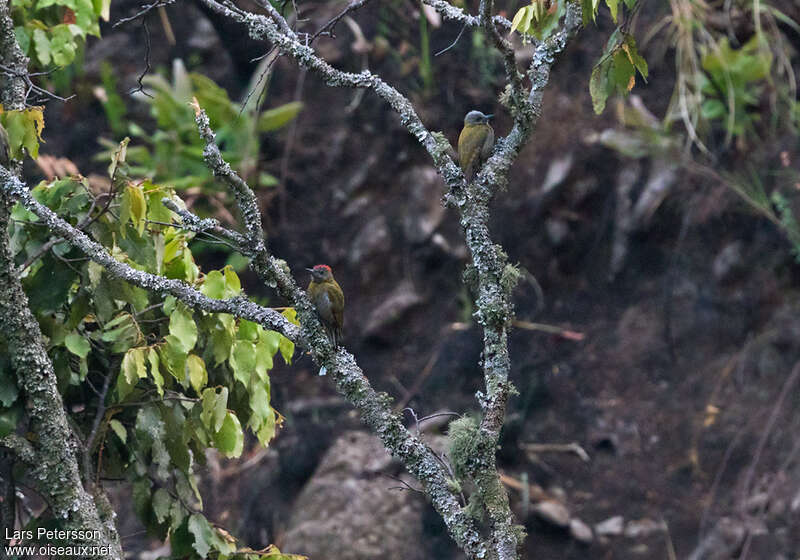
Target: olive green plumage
(328, 298)
(475, 143)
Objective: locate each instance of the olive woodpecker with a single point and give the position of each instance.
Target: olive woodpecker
(328, 298)
(475, 143)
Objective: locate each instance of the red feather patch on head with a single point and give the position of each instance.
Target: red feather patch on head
(322, 266)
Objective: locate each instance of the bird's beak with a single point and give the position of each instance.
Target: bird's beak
(310, 269)
(489, 116)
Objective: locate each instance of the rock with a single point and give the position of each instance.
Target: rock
(424, 210)
(347, 508)
(557, 172)
(552, 512)
(402, 298)
(611, 527)
(580, 531)
(556, 230)
(663, 176)
(641, 528)
(728, 262)
(372, 239)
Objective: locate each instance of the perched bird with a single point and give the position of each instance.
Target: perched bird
(475, 143)
(328, 298)
(5, 148)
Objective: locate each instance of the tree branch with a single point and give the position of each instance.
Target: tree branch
(375, 408)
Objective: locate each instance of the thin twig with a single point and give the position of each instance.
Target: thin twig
(330, 27)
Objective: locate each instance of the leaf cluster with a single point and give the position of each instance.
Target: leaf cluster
(172, 154)
(151, 383)
(52, 31)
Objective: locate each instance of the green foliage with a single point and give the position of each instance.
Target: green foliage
(24, 130)
(787, 220)
(616, 70)
(51, 32)
(732, 83)
(181, 381)
(589, 9)
(173, 153)
(539, 19)
(425, 65)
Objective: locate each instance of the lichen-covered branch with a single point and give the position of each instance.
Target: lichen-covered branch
(262, 27)
(240, 307)
(519, 107)
(492, 278)
(351, 381)
(375, 408)
(494, 172)
(54, 472)
(52, 457)
(448, 11)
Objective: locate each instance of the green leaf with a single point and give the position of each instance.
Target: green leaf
(77, 344)
(247, 330)
(25, 131)
(638, 61)
(155, 372)
(279, 116)
(259, 405)
(229, 439)
(243, 360)
(183, 327)
(47, 288)
(213, 285)
(124, 385)
(266, 347)
(268, 428)
(41, 45)
(173, 356)
(520, 17)
(221, 336)
(286, 347)
(613, 6)
(162, 502)
(198, 376)
(121, 332)
(141, 497)
(23, 38)
(138, 207)
(623, 71)
(102, 8)
(588, 11)
(201, 530)
(215, 406)
(232, 282)
(599, 86)
(291, 314)
(119, 429)
(130, 366)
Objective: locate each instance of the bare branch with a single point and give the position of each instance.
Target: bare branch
(453, 13)
(330, 27)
